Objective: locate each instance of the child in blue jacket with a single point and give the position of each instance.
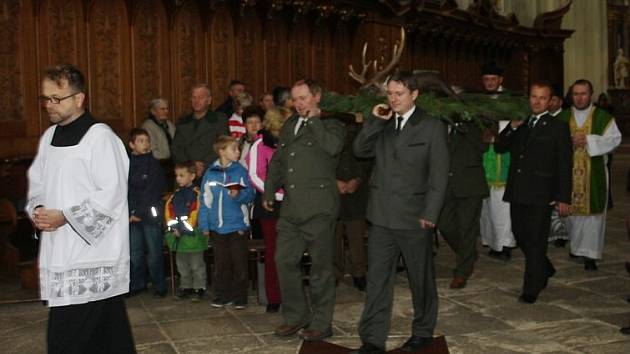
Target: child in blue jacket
(224, 216)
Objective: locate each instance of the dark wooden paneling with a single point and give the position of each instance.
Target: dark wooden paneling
(134, 50)
(108, 54)
(189, 55)
(151, 57)
(277, 55)
(222, 59)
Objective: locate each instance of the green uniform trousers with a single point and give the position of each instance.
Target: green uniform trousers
(317, 236)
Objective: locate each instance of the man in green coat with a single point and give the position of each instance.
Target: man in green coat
(466, 188)
(304, 165)
(197, 131)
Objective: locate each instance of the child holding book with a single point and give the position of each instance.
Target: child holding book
(224, 216)
(184, 236)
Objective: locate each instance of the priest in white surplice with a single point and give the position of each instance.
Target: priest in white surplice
(78, 199)
(594, 134)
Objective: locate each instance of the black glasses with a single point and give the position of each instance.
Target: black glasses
(54, 99)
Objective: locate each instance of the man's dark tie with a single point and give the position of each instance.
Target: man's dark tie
(532, 122)
(301, 122)
(399, 120)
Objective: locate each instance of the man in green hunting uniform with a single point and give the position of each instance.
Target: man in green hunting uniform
(304, 165)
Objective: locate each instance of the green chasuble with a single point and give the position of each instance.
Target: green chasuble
(589, 173)
(496, 167)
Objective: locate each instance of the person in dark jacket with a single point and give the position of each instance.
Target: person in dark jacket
(466, 188)
(235, 88)
(540, 179)
(352, 182)
(196, 132)
(146, 184)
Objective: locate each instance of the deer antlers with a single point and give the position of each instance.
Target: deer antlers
(379, 76)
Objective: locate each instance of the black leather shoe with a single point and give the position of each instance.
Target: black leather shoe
(527, 298)
(625, 330)
(550, 274)
(359, 283)
(506, 254)
(368, 348)
(560, 243)
(416, 343)
(495, 254)
(590, 264)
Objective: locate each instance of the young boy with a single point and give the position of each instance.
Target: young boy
(184, 237)
(146, 184)
(226, 191)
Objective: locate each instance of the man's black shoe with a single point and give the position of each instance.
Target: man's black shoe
(590, 264)
(625, 330)
(416, 343)
(159, 294)
(551, 273)
(527, 298)
(575, 258)
(273, 308)
(359, 283)
(495, 254)
(368, 348)
(628, 267)
(560, 243)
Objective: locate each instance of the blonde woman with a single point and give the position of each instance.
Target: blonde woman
(257, 161)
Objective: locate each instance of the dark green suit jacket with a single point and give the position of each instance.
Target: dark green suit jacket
(304, 165)
(194, 137)
(466, 176)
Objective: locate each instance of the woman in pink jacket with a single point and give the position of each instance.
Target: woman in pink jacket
(257, 160)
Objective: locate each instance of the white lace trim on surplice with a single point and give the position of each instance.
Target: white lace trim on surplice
(83, 283)
(88, 222)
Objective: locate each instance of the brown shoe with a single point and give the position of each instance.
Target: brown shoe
(311, 335)
(458, 282)
(286, 330)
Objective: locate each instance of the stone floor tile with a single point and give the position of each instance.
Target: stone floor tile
(592, 305)
(521, 315)
(490, 298)
(161, 348)
(138, 315)
(465, 321)
(556, 292)
(263, 323)
(15, 321)
(200, 328)
(147, 333)
(179, 310)
(615, 319)
(219, 345)
(31, 343)
(614, 285)
(623, 346)
(577, 333)
(501, 342)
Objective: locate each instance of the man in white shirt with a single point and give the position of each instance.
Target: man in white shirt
(77, 198)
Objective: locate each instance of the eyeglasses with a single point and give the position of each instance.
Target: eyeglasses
(54, 99)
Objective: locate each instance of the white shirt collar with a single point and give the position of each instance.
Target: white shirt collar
(537, 116)
(556, 112)
(406, 116)
(299, 123)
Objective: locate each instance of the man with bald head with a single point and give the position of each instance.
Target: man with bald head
(197, 131)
